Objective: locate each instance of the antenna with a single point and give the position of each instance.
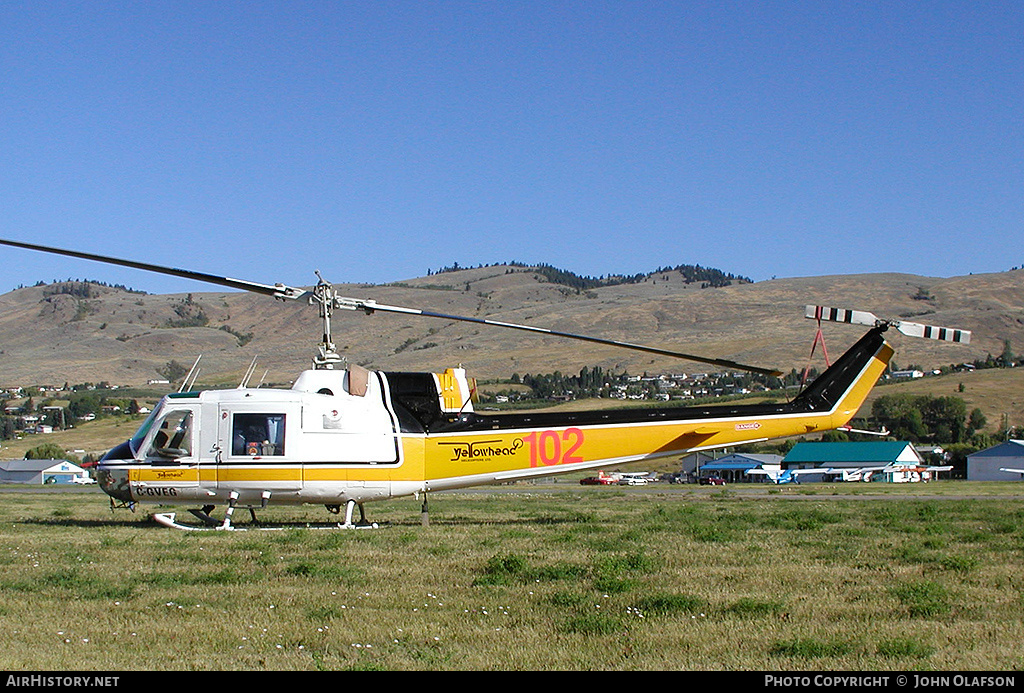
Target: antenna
(185, 384)
(248, 374)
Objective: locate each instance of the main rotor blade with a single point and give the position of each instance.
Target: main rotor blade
(277, 290)
(371, 306)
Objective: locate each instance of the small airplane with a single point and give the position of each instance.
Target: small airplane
(343, 436)
(850, 429)
(898, 473)
(1011, 471)
(783, 476)
(602, 479)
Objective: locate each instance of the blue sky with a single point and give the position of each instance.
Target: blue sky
(375, 141)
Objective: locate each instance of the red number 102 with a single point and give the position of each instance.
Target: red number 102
(546, 447)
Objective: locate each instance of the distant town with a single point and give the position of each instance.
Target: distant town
(595, 382)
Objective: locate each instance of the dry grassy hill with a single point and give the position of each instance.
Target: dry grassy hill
(125, 338)
(113, 335)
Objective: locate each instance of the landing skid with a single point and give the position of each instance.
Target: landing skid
(203, 514)
(212, 524)
(170, 520)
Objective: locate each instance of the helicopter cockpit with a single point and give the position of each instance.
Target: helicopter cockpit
(169, 445)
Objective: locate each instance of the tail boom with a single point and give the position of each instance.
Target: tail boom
(479, 449)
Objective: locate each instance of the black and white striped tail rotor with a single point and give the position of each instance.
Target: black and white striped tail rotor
(910, 329)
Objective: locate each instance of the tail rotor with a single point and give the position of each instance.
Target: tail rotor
(910, 329)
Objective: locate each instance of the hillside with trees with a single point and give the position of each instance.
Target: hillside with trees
(690, 274)
(73, 332)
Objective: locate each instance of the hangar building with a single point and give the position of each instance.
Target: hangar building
(39, 471)
(984, 465)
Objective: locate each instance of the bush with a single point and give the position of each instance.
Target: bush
(749, 607)
(901, 648)
(923, 599)
(49, 451)
(500, 570)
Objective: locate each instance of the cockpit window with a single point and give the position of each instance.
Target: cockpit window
(140, 435)
(174, 437)
(257, 435)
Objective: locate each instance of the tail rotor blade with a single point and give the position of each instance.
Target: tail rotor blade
(850, 317)
(944, 334)
(910, 329)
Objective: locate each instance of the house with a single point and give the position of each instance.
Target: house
(734, 467)
(984, 465)
(850, 458)
(39, 471)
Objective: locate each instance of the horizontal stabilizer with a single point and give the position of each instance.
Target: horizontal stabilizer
(910, 329)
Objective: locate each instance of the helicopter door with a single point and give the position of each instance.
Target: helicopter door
(171, 461)
(257, 452)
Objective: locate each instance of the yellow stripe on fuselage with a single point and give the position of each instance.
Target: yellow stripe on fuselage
(547, 450)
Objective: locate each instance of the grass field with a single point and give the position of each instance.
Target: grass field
(546, 577)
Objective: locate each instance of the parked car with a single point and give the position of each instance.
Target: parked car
(83, 480)
(634, 479)
(598, 481)
(712, 481)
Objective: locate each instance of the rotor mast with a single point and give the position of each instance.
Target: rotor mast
(324, 296)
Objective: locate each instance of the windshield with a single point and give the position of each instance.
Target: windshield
(140, 435)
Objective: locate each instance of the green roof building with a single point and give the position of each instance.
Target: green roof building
(866, 454)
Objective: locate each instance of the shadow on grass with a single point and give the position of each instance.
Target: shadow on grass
(141, 522)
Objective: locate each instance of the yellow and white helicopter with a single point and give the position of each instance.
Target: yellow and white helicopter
(343, 435)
